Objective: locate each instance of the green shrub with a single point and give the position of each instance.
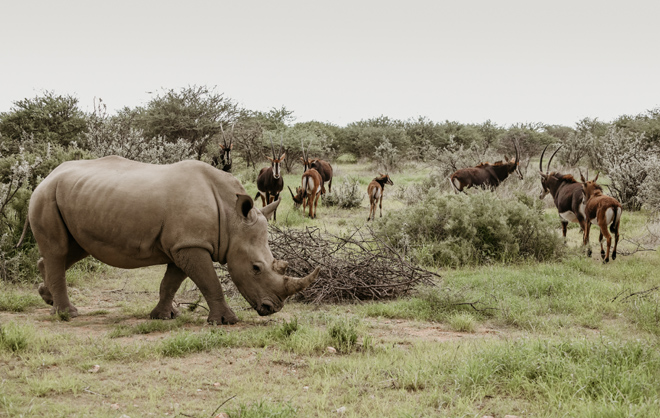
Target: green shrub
(348, 195)
(474, 228)
(346, 158)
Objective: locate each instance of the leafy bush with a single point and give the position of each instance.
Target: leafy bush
(474, 228)
(387, 155)
(348, 195)
(623, 155)
(347, 158)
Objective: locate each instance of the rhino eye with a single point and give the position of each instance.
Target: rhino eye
(256, 269)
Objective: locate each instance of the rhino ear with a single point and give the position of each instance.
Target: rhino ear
(269, 209)
(244, 204)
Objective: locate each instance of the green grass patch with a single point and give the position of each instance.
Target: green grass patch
(14, 300)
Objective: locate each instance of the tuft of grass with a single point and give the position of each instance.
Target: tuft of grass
(14, 337)
(344, 335)
(462, 322)
(13, 301)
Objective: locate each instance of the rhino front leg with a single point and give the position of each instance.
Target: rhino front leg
(196, 263)
(170, 284)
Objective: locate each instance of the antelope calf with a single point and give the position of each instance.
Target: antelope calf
(486, 174)
(375, 192)
(601, 210)
(308, 194)
(323, 167)
(269, 181)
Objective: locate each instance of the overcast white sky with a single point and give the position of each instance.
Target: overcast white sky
(469, 61)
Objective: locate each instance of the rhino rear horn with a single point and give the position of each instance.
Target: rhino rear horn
(269, 209)
(294, 285)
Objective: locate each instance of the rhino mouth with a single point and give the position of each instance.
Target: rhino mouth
(267, 308)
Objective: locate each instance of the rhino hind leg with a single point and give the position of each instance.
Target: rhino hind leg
(53, 270)
(170, 284)
(196, 263)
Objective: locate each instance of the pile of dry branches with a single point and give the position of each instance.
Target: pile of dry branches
(356, 267)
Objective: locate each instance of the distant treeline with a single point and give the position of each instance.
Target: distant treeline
(39, 133)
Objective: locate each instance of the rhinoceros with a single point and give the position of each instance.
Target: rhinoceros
(186, 215)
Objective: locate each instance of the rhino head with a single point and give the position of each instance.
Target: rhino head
(260, 278)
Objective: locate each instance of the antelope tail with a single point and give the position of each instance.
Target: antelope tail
(614, 226)
(453, 186)
(304, 186)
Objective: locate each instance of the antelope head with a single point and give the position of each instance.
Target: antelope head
(545, 177)
(590, 187)
(227, 147)
(514, 163)
(276, 162)
(307, 163)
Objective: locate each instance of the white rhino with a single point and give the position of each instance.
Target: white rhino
(186, 215)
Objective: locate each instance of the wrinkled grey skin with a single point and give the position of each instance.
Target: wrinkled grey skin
(186, 215)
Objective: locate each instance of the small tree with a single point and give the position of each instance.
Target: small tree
(194, 114)
(624, 156)
(50, 118)
(387, 155)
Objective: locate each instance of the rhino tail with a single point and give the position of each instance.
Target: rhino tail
(25, 227)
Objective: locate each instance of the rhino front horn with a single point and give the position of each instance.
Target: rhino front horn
(294, 285)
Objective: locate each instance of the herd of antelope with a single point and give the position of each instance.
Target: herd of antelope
(581, 202)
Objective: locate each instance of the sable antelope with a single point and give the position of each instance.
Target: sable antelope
(323, 167)
(269, 181)
(486, 174)
(566, 193)
(225, 157)
(308, 194)
(375, 192)
(600, 210)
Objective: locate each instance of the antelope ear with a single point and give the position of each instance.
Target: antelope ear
(545, 176)
(596, 178)
(582, 176)
(270, 159)
(231, 146)
(283, 156)
(506, 158)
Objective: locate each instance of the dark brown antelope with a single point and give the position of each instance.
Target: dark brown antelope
(269, 181)
(601, 210)
(308, 194)
(224, 162)
(323, 167)
(566, 192)
(485, 174)
(375, 192)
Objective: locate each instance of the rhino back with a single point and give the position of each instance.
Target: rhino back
(131, 214)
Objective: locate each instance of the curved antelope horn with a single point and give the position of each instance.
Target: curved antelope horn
(272, 147)
(224, 138)
(517, 152)
(294, 285)
(291, 191)
(541, 161)
(547, 170)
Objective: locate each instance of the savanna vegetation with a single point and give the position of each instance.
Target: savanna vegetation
(518, 323)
